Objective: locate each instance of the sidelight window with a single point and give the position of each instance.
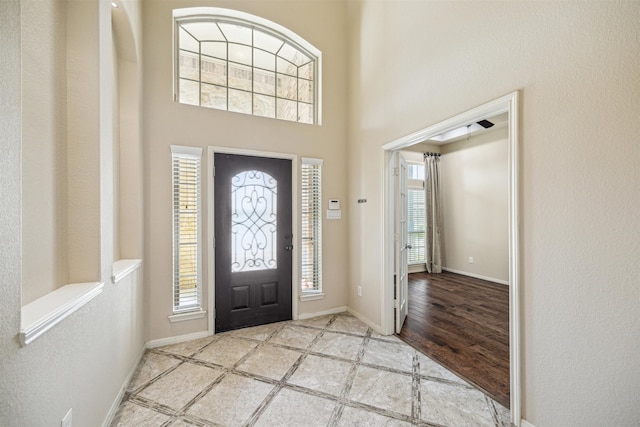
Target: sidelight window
(311, 238)
(416, 224)
(187, 287)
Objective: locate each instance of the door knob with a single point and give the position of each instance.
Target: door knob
(408, 247)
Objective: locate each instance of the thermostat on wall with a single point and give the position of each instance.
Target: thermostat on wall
(334, 205)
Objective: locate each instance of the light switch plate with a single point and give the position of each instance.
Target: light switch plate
(334, 214)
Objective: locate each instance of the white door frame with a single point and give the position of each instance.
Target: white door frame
(211, 253)
(507, 103)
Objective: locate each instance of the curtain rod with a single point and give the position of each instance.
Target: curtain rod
(431, 154)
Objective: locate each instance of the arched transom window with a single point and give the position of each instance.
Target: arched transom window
(229, 60)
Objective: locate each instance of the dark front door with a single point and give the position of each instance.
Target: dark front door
(253, 240)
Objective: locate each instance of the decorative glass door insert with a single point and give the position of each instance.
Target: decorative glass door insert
(253, 221)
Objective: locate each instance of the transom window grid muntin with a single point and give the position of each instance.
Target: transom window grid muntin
(231, 72)
(311, 235)
(186, 177)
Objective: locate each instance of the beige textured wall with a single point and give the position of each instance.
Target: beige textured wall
(86, 106)
(322, 24)
(128, 162)
(82, 362)
(413, 64)
(116, 152)
(44, 148)
(475, 223)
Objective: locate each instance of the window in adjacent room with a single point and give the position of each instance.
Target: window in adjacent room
(234, 61)
(311, 237)
(416, 224)
(187, 284)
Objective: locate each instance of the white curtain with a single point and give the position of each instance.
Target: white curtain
(433, 207)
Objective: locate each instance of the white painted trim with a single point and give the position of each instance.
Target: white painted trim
(191, 12)
(477, 276)
(367, 321)
(388, 249)
(312, 161)
(417, 268)
(311, 296)
(39, 316)
(185, 151)
(295, 215)
(525, 423)
(122, 268)
(334, 310)
(211, 251)
(507, 103)
(190, 315)
(514, 260)
(118, 400)
(176, 340)
(492, 108)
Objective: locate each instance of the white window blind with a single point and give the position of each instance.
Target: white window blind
(311, 237)
(416, 226)
(187, 287)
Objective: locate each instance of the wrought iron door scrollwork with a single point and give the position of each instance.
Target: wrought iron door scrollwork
(253, 221)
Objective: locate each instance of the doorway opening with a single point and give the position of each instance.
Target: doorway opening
(509, 105)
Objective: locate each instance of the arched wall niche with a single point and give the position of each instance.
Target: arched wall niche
(60, 146)
(127, 146)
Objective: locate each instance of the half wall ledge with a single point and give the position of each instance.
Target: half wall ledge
(122, 268)
(39, 316)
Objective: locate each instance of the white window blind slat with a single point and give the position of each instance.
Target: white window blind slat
(311, 237)
(186, 174)
(416, 226)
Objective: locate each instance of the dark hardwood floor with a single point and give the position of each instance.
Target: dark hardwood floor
(462, 323)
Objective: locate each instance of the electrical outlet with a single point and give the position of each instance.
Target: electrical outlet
(470, 260)
(66, 421)
(359, 291)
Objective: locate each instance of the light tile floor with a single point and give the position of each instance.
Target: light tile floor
(326, 371)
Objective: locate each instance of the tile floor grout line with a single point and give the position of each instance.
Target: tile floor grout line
(153, 405)
(214, 339)
(263, 406)
(492, 410)
(280, 385)
(273, 392)
(200, 421)
(202, 393)
(340, 401)
(448, 382)
(155, 379)
(260, 345)
(338, 410)
(415, 391)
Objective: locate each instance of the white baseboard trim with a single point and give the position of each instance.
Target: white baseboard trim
(364, 319)
(417, 268)
(175, 340)
(525, 423)
(116, 403)
(477, 276)
(334, 310)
